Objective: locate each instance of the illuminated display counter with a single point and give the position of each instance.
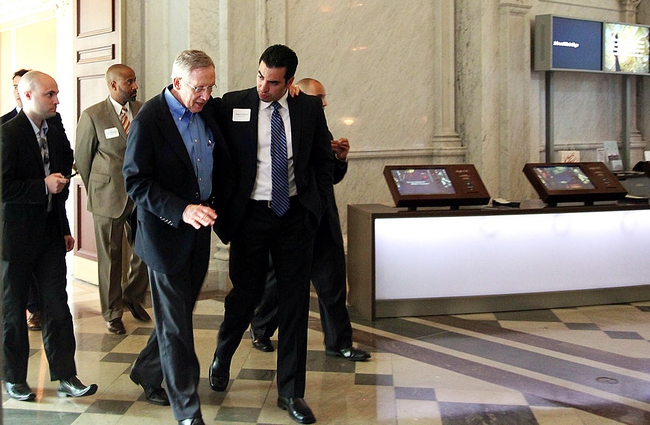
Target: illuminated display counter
(484, 259)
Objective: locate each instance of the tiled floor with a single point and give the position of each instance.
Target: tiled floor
(576, 366)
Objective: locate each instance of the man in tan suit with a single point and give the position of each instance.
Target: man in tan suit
(99, 154)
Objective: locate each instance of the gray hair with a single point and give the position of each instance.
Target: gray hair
(189, 60)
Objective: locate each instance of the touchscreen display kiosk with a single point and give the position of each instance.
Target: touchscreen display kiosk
(435, 185)
(580, 182)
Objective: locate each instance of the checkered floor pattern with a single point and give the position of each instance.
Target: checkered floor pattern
(586, 365)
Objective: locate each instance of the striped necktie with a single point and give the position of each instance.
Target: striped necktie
(279, 165)
(124, 118)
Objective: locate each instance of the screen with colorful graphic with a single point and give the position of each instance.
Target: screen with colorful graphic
(423, 181)
(626, 48)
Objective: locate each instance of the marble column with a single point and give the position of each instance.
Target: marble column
(629, 15)
(514, 89)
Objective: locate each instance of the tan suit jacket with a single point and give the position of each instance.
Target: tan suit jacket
(99, 155)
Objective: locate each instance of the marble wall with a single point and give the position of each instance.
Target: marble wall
(409, 81)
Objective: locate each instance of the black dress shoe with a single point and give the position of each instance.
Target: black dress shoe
(34, 322)
(298, 409)
(350, 353)
(116, 326)
(138, 311)
(192, 421)
(155, 395)
(262, 343)
(219, 375)
(73, 387)
(20, 391)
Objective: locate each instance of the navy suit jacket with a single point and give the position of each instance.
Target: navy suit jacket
(312, 151)
(9, 115)
(160, 178)
(24, 197)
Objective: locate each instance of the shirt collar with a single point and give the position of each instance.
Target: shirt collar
(282, 101)
(177, 109)
(117, 106)
(40, 132)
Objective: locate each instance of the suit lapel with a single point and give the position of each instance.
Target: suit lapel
(170, 131)
(295, 116)
(30, 139)
(114, 118)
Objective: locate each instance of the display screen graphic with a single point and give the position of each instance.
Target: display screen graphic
(626, 48)
(577, 44)
(561, 177)
(429, 181)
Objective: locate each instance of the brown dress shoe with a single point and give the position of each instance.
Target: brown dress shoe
(116, 326)
(34, 321)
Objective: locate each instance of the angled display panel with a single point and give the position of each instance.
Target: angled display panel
(586, 182)
(626, 48)
(567, 44)
(435, 185)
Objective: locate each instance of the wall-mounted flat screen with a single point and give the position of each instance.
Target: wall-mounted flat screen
(579, 182)
(626, 48)
(567, 44)
(435, 185)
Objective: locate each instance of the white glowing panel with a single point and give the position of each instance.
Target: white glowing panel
(432, 257)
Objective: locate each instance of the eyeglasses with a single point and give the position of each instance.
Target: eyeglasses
(199, 89)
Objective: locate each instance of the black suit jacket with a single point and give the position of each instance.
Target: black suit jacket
(9, 115)
(24, 198)
(312, 150)
(160, 178)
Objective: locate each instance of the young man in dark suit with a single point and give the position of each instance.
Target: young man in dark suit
(177, 171)
(34, 320)
(283, 163)
(328, 269)
(36, 158)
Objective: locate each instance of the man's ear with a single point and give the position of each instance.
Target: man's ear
(176, 83)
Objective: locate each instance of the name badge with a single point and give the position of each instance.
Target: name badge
(241, 115)
(111, 133)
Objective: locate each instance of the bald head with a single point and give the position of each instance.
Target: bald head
(121, 83)
(39, 94)
(313, 87)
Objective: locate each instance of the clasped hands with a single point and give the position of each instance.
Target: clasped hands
(199, 216)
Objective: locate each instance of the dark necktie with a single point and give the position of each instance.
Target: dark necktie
(45, 154)
(124, 118)
(279, 167)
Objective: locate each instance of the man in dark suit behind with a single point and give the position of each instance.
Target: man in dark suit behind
(260, 227)
(36, 235)
(177, 171)
(15, 79)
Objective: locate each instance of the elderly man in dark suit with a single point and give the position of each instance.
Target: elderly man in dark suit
(283, 163)
(177, 171)
(36, 163)
(99, 155)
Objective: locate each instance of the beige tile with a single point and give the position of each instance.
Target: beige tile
(504, 397)
(417, 412)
